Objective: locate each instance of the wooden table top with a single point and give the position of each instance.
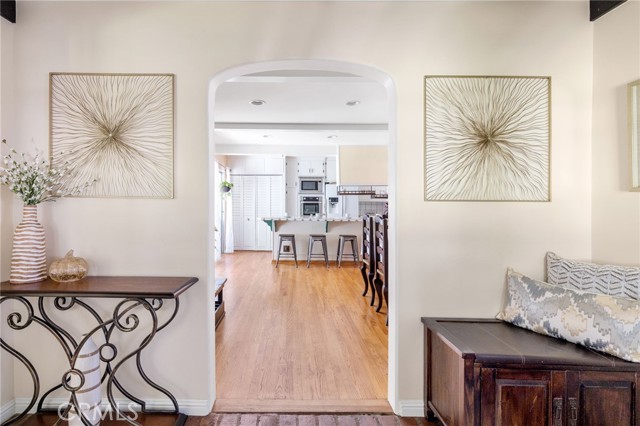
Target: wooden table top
(121, 287)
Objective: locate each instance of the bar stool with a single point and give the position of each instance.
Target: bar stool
(290, 238)
(313, 238)
(342, 239)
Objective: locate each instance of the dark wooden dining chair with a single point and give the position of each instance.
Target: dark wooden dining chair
(368, 268)
(381, 280)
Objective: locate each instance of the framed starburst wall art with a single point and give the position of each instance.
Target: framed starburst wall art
(116, 129)
(487, 138)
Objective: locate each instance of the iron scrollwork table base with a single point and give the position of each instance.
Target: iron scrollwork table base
(139, 299)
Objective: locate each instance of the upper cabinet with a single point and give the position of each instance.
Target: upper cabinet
(331, 173)
(363, 165)
(255, 165)
(308, 167)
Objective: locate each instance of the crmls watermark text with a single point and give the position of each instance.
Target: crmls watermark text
(67, 412)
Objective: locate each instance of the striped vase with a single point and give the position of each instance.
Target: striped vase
(89, 396)
(28, 260)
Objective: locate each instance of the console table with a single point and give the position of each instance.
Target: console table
(484, 372)
(138, 301)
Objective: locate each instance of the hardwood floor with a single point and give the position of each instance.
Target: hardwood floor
(298, 340)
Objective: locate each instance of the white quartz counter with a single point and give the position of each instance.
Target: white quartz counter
(313, 219)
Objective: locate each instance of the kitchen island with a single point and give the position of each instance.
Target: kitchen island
(302, 227)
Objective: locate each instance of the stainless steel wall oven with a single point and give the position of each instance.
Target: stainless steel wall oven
(310, 205)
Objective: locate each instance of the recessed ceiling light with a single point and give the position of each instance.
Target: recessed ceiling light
(332, 137)
(266, 136)
(258, 102)
(353, 103)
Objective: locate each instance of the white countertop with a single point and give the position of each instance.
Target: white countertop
(313, 219)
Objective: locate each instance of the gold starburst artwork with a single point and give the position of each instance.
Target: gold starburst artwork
(116, 129)
(487, 138)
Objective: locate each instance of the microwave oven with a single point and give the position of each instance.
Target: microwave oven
(311, 186)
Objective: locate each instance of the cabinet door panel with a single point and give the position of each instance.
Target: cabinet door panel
(518, 397)
(522, 403)
(602, 399)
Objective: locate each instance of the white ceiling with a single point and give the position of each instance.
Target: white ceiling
(301, 108)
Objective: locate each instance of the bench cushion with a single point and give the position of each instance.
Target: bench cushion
(612, 280)
(605, 323)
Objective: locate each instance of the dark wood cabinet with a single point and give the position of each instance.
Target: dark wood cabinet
(507, 395)
(590, 394)
(490, 373)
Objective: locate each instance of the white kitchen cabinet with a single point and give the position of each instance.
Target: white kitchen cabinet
(255, 165)
(274, 165)
(253, 197)
(291, 172)
(311, 167)
(331, 173)
(291, 189)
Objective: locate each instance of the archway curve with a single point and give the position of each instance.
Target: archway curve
(316, 65)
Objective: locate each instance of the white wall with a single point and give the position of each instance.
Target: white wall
(451, 257)
(616, 211)
(6, 205)
(363, 165)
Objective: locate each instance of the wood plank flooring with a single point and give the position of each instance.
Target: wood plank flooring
(298, 340)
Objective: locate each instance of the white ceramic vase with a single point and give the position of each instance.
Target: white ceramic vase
(29, 257)
(89, 395)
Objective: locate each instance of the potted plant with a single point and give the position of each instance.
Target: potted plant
(225, 186)
(34, 180)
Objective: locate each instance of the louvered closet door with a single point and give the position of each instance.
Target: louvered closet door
(254, 197)
(263, 209)
(237, 195)
(249, 212)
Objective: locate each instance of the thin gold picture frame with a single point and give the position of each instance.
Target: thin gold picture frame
(633, 100)
(116, 129)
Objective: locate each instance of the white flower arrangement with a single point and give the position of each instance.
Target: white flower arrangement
(33, 179)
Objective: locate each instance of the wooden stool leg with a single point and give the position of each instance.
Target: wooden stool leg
(340, 250)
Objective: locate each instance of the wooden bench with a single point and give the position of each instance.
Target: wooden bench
(484, 372)
(219, 300)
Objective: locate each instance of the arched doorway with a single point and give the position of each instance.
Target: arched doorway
(313, 65)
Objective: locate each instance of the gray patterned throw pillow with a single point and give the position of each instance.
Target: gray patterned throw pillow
(612, 280)
(604, 323)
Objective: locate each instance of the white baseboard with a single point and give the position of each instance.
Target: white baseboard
(190, 407)
(7, 411)
(411, 408)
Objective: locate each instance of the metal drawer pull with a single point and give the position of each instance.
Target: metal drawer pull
(573, 413)
(557, 411)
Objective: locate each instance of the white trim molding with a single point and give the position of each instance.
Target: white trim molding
(411, 408)
(190, 407)
(7, 410)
